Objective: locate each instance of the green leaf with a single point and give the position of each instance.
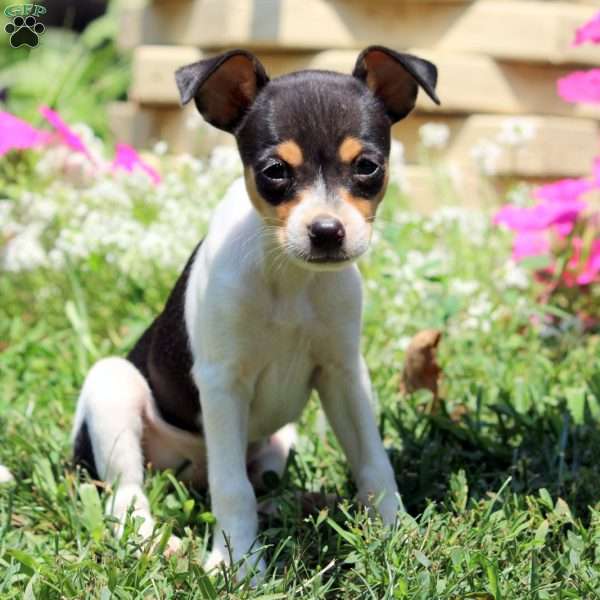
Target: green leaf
(422, 559)
(349, 537)
(546, 499)
(92, 514)
(541, 532)
(460, 490)
(27, 561)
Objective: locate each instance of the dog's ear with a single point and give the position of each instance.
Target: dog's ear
(223, 87)
(395, 78)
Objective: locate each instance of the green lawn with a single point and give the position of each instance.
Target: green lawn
(502, 488)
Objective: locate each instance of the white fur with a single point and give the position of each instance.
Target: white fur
(264, 331)
(318, 201)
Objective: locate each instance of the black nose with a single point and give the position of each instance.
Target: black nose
(326, 233)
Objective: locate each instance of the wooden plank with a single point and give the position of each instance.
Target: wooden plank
(467, 83)
(520, 30)
(130, 123)
(131, 31)
(153, 72)
(561, 146)
(428, 189)
(183, 129)
(407, 131)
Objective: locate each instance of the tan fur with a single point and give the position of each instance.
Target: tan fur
(273, 215)
(291, 153)
(364, 206)
(349, 149)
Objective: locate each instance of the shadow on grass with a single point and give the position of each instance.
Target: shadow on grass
(536, 449)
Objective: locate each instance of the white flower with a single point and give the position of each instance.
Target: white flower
(520, 194)
(79, 169)
(463, 287)
(93, 144)
(187, 161)
(481, 307)
(515, 276)
(434, 135)
(516, 131)
(24, 250)
(225, 159)
(403, 342)
(486, 154)
(160, 148)
(473, 223)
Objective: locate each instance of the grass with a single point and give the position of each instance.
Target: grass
(501, 488)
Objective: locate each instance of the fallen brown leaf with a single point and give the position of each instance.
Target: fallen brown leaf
(421, 370)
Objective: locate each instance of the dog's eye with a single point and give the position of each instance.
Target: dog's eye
(277, 171)
(365, 167)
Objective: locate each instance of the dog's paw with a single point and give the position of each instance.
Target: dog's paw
(174, 545)
(389, 508)
(214, 561)
(250, 565)
(387, 505)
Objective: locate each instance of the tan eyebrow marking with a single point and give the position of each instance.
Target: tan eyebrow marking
(290, 152)
(349, 149)
(273, 215)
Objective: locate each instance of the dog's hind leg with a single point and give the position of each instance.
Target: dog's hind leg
(108, 432)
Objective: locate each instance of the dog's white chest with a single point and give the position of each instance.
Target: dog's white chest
(260, 326)
(283, 381)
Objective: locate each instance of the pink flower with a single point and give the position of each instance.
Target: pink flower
(563, 190)
(562, 230)
(538, 217)
(19, 135)
(591, 270)
(530, 243)
(580, 86)
(589, 32)
(67, 135)
(128, 159)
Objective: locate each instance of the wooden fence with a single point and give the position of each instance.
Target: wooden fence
(496, 59)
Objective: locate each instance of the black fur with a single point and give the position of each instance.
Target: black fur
(164, 358)
(317, 110)
(83, 454)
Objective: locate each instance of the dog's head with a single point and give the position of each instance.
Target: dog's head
(314, 144)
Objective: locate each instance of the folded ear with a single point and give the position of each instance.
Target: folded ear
(395, 78)
(223, 87)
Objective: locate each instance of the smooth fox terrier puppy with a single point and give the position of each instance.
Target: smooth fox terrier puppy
(268, 306)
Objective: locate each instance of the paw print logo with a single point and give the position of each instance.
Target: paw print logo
(24, 32)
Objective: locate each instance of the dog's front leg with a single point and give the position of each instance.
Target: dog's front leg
(345, 392)
(225, 406)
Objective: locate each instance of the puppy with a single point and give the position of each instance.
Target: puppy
(268, 307)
